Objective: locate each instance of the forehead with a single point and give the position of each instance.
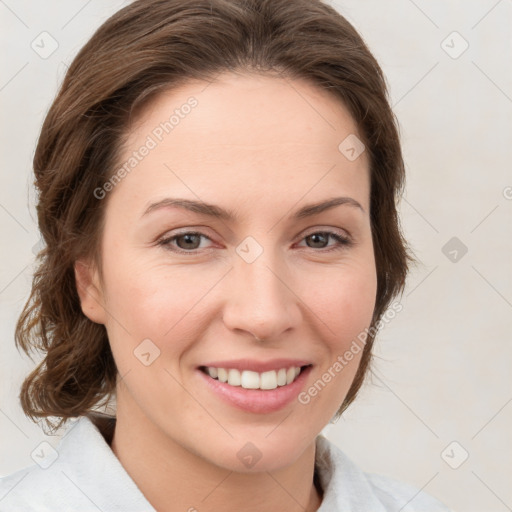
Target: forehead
(251, 109)
(245, 133)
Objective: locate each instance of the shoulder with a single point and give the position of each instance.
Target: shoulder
(28, 488)
(346, 486)
(81, 474)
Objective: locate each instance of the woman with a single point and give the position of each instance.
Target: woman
(217, 194)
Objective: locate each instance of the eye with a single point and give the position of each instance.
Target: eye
(185, 242)
(189, 242)
(319, 240)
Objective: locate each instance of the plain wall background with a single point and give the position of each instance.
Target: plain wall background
(444, 365)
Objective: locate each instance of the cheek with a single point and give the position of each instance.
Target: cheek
(346, 302)
(149, 302)
(344, 305)
(157, 302)
(163, 302)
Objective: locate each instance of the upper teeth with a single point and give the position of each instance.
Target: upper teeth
(254, 380)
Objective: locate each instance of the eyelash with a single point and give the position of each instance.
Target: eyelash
(342, 241)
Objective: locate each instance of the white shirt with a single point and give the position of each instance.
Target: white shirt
(86, 476)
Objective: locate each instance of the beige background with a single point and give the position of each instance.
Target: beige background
(445, 362)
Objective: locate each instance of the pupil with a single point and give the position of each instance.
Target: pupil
(316, 236)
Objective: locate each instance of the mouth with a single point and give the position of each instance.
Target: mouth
(257, 392)
(249, 379)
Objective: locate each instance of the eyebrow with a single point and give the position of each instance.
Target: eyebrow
(215, 211)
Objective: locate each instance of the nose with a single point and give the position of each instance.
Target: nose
(261, 300)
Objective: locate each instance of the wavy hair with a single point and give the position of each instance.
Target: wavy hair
(145, 48)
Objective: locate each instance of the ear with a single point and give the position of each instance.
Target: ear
(90, 292)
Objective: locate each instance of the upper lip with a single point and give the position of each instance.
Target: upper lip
(258, 366)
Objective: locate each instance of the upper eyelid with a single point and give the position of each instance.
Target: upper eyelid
(337, 231)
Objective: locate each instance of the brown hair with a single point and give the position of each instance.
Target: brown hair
(146, 47)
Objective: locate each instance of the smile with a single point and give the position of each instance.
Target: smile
(254, 386)
(249, 379)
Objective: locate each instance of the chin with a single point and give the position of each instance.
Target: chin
(255, 454)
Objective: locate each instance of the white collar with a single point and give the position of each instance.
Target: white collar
(88, 476)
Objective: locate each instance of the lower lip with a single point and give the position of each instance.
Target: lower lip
(257, 400)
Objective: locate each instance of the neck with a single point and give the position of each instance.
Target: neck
(173, 478)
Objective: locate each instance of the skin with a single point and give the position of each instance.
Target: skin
(262, 147)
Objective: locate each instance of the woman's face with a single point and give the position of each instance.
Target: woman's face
(259, 151)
